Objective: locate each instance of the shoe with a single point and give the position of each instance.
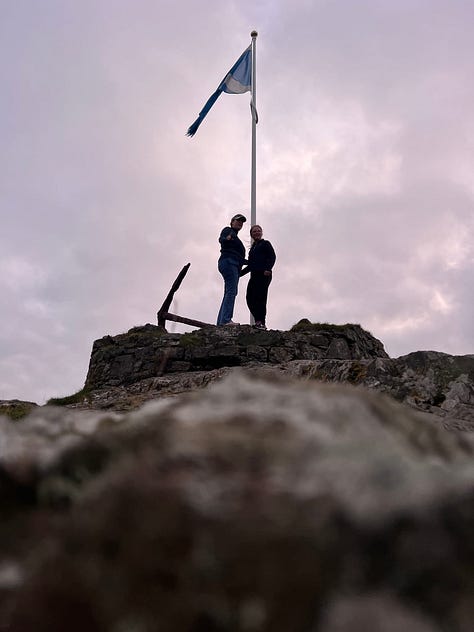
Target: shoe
(231, 322)
(259, 325)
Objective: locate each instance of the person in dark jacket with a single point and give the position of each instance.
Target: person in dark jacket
(261, 260)
(229, 265)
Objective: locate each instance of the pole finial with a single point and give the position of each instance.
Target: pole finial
(254, 34)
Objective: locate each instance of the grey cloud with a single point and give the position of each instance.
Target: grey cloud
(364, 170)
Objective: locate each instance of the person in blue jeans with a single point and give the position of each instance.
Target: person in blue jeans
(229, 265)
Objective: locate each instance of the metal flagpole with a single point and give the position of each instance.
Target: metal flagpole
(253, 188)
(253, 192)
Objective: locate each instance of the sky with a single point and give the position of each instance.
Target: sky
(365, 180)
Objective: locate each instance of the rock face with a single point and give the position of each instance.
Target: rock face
(430, 381)
(148, 351)
(259, 504)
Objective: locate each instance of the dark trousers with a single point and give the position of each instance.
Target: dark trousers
(257, 293)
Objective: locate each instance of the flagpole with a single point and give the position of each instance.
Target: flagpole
(253, 188)
(253, 191)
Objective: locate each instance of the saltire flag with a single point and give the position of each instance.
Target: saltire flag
(237, 81)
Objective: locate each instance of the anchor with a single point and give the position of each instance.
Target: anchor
(163, 314)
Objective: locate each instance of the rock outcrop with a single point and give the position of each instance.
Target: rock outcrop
(259, 504)
(148, 363)
(149, 351)
(288, 495)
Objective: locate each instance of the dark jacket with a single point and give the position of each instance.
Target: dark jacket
(232, 248)
(261, 257)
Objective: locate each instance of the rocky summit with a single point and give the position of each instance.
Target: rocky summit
(148, 363)
(233, 480)
(149, 351)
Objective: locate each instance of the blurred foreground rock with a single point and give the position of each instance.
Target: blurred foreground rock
(258, 504)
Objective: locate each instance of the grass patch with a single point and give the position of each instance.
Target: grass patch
(16, 410)
(75, 398)
(138, 335)
(306, 325)
(190, 339)
(148, 329)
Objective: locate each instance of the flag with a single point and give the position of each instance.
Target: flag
(237, 81)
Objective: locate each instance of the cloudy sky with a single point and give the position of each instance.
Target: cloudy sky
(365, 180)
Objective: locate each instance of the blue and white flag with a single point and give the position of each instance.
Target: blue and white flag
(237, 81)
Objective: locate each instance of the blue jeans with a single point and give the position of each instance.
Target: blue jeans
(229, 268)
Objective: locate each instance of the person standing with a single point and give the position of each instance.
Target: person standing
(261, 260)
(229, 265)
